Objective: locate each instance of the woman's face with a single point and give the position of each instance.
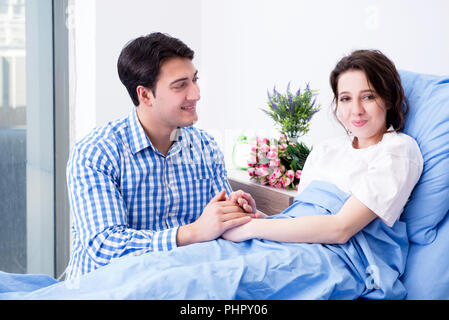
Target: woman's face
(360, 108)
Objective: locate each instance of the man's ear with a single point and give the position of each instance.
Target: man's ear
(145, 96)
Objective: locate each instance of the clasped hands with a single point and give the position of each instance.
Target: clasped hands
(224, 215)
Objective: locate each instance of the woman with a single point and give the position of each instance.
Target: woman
(375, 163)
(341, 239)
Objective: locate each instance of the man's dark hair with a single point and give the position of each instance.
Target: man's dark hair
(141, 59)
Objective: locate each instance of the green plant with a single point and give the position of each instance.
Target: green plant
(292, 112)
(295, 156)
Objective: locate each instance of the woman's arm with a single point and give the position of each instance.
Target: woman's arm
(338, 228)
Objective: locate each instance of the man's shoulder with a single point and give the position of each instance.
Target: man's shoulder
(107, 137)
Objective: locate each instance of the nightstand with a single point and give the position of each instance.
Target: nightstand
(269, 200)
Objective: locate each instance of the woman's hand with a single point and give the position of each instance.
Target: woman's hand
(244, 200)
(240, 233)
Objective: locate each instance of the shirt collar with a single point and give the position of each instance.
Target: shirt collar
(181, 142)
(139, 140)
(137, 137)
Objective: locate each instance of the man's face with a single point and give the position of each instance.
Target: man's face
(176, 94)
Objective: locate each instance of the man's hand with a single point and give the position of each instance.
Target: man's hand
(218, 216)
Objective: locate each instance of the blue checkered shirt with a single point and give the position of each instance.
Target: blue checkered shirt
(127, 198)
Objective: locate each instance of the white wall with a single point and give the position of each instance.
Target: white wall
(119, 21)
(99, 29)
(245, 47)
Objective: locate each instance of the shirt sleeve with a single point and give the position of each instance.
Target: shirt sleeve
(216, 166)
(99, 211)
(387, 185)
(220, 179)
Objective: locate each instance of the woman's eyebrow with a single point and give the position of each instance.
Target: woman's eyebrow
(363, 91)
(367, 90)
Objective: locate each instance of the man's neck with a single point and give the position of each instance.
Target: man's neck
(159, 136)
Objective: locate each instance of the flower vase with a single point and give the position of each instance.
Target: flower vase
(241, 152)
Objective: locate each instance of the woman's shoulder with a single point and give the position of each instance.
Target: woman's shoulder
(334, 147)
(401, 144)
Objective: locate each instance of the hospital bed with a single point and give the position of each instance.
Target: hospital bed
(426, 275)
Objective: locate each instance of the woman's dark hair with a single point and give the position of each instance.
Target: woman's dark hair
(140, 61)
(382, 75)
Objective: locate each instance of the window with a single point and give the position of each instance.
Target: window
(13, 137)
(31, 156)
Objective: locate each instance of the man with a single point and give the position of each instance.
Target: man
(151, 181)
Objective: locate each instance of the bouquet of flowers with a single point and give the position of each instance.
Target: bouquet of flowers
(277, 163)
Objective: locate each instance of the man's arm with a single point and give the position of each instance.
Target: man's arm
(99, 211)
(219, 215)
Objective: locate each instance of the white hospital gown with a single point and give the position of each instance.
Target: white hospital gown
(381, 176)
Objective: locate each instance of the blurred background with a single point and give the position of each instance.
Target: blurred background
(58, 80)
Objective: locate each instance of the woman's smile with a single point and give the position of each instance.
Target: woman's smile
(359, 123)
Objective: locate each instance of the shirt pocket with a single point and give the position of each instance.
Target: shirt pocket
(192, 172)
(200, 181)
(196, 185)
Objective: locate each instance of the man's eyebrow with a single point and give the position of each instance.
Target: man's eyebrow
(183, 79)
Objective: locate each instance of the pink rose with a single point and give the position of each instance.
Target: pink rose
(283, 137)
(261, 171)
(251, 171)
(264, 148)
(276, 173)
(274, 163)
(272, 155)
(272, 180)
(298, 174)
(290, 174)
(251, 161)
(284, 181)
